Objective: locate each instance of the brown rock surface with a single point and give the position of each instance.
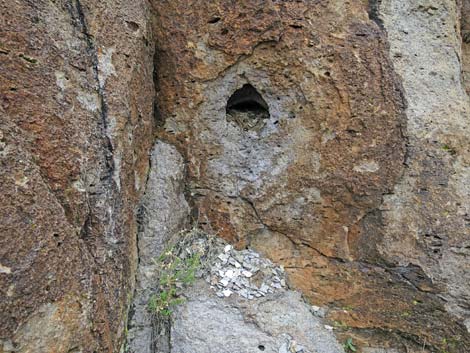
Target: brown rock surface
(76, 124)
(308, 188)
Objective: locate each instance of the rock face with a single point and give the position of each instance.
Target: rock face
(427, 218)
(330, 136)
(76, 117)
(278, 323)
(164, 213)
(355, 181)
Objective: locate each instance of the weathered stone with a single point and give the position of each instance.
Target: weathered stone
(76, 117)
(330, 136)
(323, 187)
(164, 212)
(206, 323)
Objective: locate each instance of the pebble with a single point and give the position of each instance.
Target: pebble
(227, 293)
(284, 348)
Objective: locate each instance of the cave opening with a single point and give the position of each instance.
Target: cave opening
(247, 108)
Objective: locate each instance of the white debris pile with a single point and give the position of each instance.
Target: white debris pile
(245, 273)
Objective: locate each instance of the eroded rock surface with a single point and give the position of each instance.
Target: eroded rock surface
(164, 213)
(329, 136)
(76, 117)
(277, 323)
(341, 179)
(238, 304)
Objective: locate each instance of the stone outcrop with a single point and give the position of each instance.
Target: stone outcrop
(76, 116)
(355, 182)
(329, 136)
(164, 213)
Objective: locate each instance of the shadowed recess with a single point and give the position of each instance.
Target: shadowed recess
(247, 108)
(246, 99)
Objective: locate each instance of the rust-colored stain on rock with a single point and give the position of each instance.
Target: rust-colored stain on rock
(336, 179)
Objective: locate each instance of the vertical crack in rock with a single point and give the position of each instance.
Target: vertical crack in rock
(92, 51)
(72, 125)
(465, 33)
(165, 213)
(374, 12)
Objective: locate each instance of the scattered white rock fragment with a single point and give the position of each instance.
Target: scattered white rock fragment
(5, 269)
(227, 293)
(329, 328)
(264, 288)
(224, 258)
(233, 271)
(243, 293)
(284, 348)
(247, 274)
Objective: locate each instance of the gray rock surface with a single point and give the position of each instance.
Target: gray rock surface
(426, 216)
(164, 213)
(379, 350)
(263, 317)
(278, 323)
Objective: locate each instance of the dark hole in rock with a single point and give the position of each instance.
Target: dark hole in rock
(247, 108)
(214, 20)
(133, 26)
(261, 347)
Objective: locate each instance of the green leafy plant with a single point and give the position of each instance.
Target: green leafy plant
(349, 345)
(175, 273)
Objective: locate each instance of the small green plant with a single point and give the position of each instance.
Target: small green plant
(349, 345)
(449, 344)
(406, 314)
(341, 325)
(28, 59)
(174, 273)
(452, 151)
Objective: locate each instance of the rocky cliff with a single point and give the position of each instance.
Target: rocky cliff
(330, 138)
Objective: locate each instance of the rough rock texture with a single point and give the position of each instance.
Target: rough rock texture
(273, 324)
(426, 219)
(76, 116)
(275, 319)
(465, 34)
(348, 161)
(164, 213)
(341, 179)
